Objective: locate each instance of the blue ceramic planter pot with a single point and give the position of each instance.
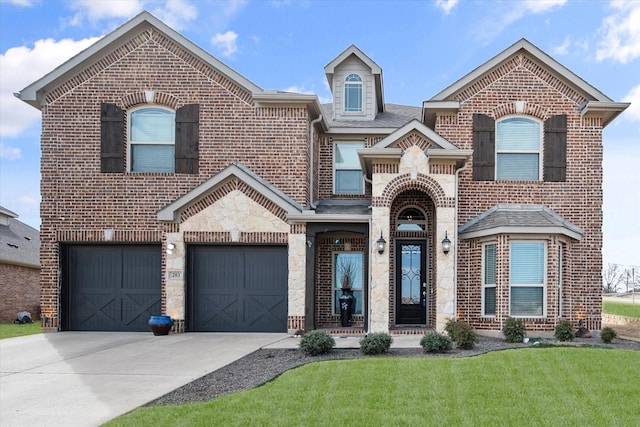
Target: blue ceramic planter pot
(160, 325)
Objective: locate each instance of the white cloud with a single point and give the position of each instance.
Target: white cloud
(176, 13)
(226, 42)
(563, 48)
(24, 3)
(493, 26)
(21, 66)
(621, 30)
(97, 10)
(633, 112)
(446, 5)
(10, 153)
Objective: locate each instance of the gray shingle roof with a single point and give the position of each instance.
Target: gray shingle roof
(344, 207)
(394, 116)
(503, 218)
(19, 243)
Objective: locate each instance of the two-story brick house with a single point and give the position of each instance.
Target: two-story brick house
(171, 184)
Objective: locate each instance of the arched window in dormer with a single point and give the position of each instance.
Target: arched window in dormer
(411, 219)
(353, 94)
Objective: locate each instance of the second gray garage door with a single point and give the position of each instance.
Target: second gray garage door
(237, 288)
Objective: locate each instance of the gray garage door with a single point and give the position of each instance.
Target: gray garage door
(111, 287)
(237, 288)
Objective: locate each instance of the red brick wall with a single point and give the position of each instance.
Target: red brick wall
(326, 246)
(578, 200)
(271, 141)
(19, 291)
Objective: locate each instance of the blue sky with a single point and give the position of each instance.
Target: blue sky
(422, 47)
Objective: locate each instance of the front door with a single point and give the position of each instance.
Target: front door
(411, 283)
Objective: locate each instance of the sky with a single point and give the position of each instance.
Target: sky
(422, 47)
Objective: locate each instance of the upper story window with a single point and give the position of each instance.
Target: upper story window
(411, 219)
(518, 144)
(347, 178)
(519, 148)
(152, 134)
(353, 94)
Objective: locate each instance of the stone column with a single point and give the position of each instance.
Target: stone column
(379, 283)
(445, 294)
(296, 282)
(175, 264)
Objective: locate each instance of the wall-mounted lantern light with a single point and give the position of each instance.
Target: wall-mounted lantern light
(170, 248)
(380, 244)
(446, 244)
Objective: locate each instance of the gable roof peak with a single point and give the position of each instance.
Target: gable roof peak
(35, 93)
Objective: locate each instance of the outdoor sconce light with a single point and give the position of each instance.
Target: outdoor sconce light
(446, 244)
(380, 244)
(170, 248)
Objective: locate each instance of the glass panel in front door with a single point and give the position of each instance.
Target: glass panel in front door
(411, 283)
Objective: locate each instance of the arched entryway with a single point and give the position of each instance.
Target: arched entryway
(412, 287)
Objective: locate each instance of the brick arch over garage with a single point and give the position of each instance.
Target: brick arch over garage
(422, 182)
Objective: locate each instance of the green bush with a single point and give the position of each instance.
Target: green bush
(565, 331)
(513, 330)
(376, 343)
(316, 342)
(434, 342)
(466, 338)
(607, 335)
(461, 333)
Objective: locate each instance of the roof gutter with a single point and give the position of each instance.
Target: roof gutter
(312, 204)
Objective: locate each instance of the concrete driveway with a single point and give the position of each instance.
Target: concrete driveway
(88, 378)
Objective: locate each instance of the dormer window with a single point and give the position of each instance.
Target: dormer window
(353, 94)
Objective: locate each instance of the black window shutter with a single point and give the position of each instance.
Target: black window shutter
(484, 147)
(111, 138)
(187, 138)
(555, 148)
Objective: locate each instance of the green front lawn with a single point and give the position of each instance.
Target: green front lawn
(10, 330)
(544, 387)
(622, 308)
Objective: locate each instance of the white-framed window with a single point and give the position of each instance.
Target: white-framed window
(353, 93)
(151, 139)
(527, 278)
(348, 266)
(518, 149)
(347, 176)
(489, 279)
(411, 219)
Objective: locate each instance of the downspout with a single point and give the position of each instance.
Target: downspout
(455, 240)
(312, 204)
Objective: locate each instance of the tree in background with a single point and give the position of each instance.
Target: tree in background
(612, 277)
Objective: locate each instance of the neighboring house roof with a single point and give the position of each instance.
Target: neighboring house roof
(172, 211)
(525, 219)
(34, 93)
(329, 70)
(19, 243)
(597, 103)
(393, 117)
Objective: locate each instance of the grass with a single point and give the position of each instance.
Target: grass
(543, 387)
(621, 308)
(10, 330)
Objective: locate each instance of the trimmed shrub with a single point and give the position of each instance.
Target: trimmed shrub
(513, 330)
(434, 342)
(376, 343)
(564, 331)
(316, 342)
(461, 333)
(466, 338)
(607, 335)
